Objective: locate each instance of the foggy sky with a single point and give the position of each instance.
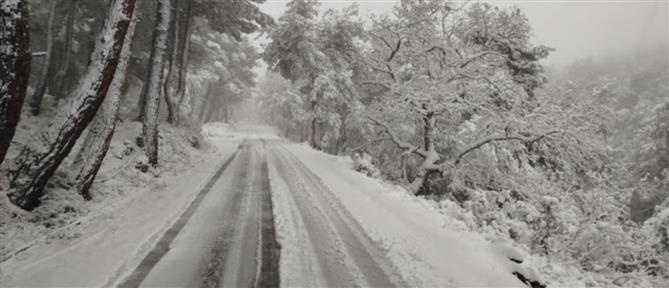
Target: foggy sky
(577, 29)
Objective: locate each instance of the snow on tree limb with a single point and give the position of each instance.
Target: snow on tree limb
(408, 148)
(518, 137)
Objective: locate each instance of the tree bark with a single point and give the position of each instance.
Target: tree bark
(179, 100)
(154, 82)
(170, 65)
(314, 123)
(59, 78)
(40, 88)
(15, 57)
(38, 161)
(100, 132)
(205, 101)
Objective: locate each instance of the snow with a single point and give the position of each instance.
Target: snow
(98, 248)
(427, 243)
(428, 249)
(296, 250)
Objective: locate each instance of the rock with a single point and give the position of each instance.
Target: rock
(139, 141)
(141, 166)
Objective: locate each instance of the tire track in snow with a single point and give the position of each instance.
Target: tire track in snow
(270, 250)
(347, 256)
(247, 254)
(162, 246)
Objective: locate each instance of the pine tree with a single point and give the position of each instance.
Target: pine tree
(154, 82)
(15, 59)
(38, 161)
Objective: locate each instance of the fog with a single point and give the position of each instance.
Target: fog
(576, 29)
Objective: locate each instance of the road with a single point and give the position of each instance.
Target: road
(227, 236)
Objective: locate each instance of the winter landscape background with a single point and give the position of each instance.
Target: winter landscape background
(233, 143)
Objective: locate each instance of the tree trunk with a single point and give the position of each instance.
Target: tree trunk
(171, 58)
(154, 82)
(205, 101)
(431, 156)
(38, 161)
(40, 89)
(15, 56)
(179, 101)
(211, 108)
(100, 132)
(314, 123)
(59, 79)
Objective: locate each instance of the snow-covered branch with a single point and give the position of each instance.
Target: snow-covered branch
(517, 137)
(407, 147)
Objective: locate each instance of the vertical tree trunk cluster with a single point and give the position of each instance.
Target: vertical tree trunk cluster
(15, 57)
(153, 86)
(38, 161)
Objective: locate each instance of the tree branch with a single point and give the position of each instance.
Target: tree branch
(375, 83)
(408, 148)
(518, 137)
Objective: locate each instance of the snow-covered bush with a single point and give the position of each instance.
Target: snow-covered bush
(362, 162)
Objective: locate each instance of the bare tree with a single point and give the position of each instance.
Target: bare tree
(15, 59)
(40, 158)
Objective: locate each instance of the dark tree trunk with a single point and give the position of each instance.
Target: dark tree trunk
(211, 108)
(100, 132)
(59, 79)
(226, 114)
(15, 56)
(178, 100)
(205, 102)
(154, 82)
(40, 88)
(170, 57)
(38, 161)
(314, 123)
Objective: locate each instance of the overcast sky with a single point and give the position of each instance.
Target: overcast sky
(577, 29)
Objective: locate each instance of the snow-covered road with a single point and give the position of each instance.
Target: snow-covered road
(279, 213)
(337, 252)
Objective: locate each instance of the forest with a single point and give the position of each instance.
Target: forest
(450, 100)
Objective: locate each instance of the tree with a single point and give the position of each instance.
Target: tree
(230, 65)
(38, 161)
(232, 17)
(100, 132)
(40, 89)
(15, 59)
(442, 65)
(184, 22)
(296, 54)
(154, 82)
(68, 37)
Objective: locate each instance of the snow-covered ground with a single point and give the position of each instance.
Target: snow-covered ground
(96, 249)
(335, 226)
(427, 248)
